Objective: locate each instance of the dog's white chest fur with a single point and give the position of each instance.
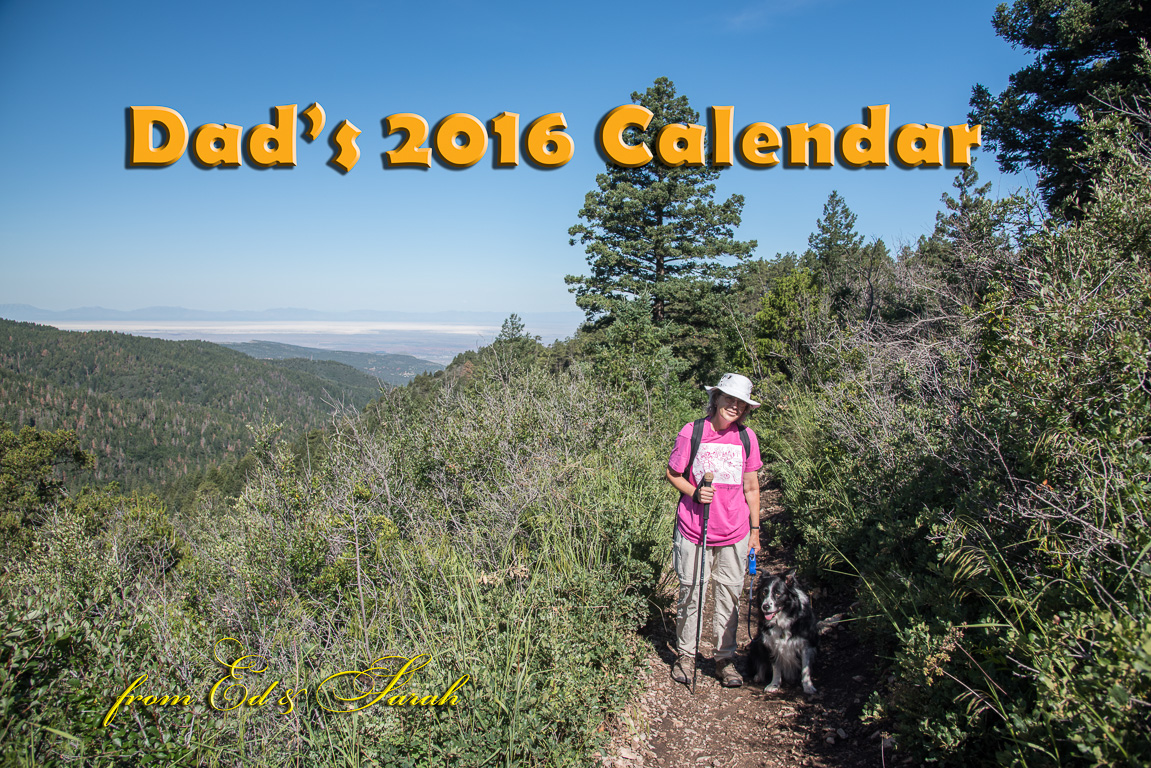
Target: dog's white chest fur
(788, 651)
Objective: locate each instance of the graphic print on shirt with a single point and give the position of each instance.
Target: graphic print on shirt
(724, 461)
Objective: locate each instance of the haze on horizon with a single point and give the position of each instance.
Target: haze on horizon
(434, 336)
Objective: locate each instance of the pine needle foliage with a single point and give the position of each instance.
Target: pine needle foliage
(654, 229)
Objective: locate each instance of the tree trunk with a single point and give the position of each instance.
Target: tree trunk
(660, 272)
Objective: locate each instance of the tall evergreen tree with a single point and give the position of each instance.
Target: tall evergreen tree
(654, 229)
(969, 219)
(834, 243)
(1089, 53)
(833, 251)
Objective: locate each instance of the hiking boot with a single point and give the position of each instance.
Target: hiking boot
(725, 671)
(682, 670)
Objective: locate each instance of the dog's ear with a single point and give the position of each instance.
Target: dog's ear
(789, 579)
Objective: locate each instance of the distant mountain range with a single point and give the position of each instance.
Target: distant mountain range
(29, 313)
(435, 336)
(394, 369)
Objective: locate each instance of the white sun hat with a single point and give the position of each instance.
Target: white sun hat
(737, 386)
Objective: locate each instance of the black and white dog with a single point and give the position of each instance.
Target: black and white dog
(788, 634)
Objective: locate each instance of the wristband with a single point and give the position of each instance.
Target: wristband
(695, 495)
(755, 527)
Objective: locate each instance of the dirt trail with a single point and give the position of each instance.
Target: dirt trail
(668, 727)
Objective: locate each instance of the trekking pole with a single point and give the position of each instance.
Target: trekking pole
(705, 483)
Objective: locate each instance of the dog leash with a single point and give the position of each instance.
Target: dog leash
(750, 590)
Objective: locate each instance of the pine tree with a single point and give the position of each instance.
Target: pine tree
(790, 319)
(654, 229)
(835, 252)
(968, 239)
(514, 343)
(1089, 54)
(834, 243)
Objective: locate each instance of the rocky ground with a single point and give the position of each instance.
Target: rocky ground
(668, 727)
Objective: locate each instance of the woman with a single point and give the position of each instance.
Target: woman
(733, 522)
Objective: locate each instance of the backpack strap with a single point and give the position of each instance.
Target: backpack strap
(743, 438)
(696, 439)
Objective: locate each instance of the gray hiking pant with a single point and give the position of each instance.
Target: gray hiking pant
(727, 563)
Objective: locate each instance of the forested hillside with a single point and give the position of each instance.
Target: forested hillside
(151, 411)
(393, 369)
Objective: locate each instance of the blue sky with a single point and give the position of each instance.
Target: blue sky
(77, 228)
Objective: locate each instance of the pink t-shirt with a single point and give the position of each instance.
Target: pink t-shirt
(720, 453)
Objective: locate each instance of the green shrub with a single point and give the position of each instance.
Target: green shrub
(985, 475)
(511, 528)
